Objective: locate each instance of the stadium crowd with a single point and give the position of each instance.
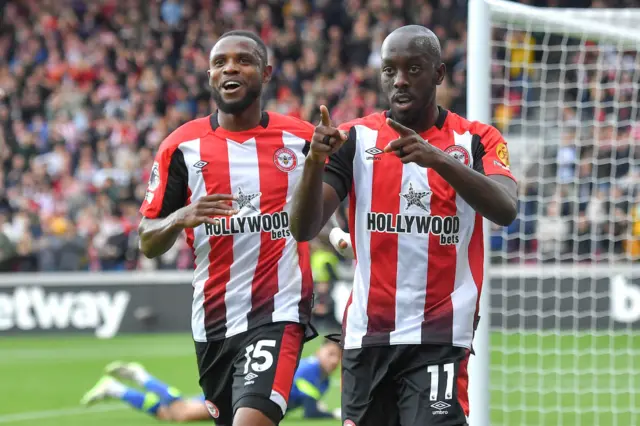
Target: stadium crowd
(90, 89)
(580, 199)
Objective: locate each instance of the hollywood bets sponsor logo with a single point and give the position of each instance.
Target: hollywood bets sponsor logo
(445, 227)
(277, 224)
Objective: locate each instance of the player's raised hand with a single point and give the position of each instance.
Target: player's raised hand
(410, 147)
(326, 139)
(205, 209)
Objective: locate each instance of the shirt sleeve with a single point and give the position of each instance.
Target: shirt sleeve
(338, 172)
(168, 184)
(490, 153)
(308, 389)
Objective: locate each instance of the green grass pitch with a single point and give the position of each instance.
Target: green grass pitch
(43, 378)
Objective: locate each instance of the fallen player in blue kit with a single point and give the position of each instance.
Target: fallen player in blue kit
(158, 399)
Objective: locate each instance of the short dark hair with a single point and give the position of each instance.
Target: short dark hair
(262, 48)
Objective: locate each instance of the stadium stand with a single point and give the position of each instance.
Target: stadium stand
(90, 88)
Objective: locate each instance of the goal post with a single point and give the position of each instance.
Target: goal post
(558, 342)
(478, 108)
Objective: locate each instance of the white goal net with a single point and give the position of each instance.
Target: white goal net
(563, 285)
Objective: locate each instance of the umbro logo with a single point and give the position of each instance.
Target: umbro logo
(200, 165)
(440, 405)
(373, 152)
(249, 378)
(440, 408)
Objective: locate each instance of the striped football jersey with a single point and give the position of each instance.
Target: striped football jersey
(418, 245)
(249, 270)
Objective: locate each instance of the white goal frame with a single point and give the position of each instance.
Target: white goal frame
(596, 24)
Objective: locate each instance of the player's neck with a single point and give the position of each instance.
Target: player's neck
(246, 120)
(427, 119)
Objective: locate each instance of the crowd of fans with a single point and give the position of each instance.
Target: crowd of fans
(580, 199)
(93, 87)
(89, 89)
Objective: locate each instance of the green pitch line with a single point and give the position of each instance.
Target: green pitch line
(535, 380)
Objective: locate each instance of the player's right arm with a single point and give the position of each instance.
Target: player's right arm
(323, 184)
(166, 210)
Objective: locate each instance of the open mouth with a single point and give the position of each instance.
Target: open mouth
(231, 86)
(402, 100)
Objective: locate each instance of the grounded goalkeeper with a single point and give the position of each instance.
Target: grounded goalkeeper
(311, 382)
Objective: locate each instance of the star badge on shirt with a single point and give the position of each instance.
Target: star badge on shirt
(414, 198)
(244, 200)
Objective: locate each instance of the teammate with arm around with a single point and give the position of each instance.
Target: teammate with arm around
(420, 179)
(226, 180)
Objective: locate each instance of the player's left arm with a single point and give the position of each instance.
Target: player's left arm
(489, 187)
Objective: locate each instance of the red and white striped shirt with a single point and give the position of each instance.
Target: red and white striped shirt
(418, 245)
(249, 270)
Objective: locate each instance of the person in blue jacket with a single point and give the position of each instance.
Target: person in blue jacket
(312, 381)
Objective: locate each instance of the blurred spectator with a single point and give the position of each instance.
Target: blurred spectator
(324, 266)
(553, 231)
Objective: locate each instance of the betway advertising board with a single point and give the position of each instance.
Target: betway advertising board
(107, 304)
(565, 297)
(100, 304)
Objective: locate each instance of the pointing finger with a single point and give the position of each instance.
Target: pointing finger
(402, 130)
(398, 144)
(325, 117)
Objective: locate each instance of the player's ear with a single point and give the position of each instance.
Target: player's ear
(266, 74)
(209, 77)
(441, 72)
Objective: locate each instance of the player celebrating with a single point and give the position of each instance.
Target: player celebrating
(420, 179)
(166, 403)
(227, 180)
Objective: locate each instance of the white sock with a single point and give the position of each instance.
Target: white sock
(116, 389)
(140, 376)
